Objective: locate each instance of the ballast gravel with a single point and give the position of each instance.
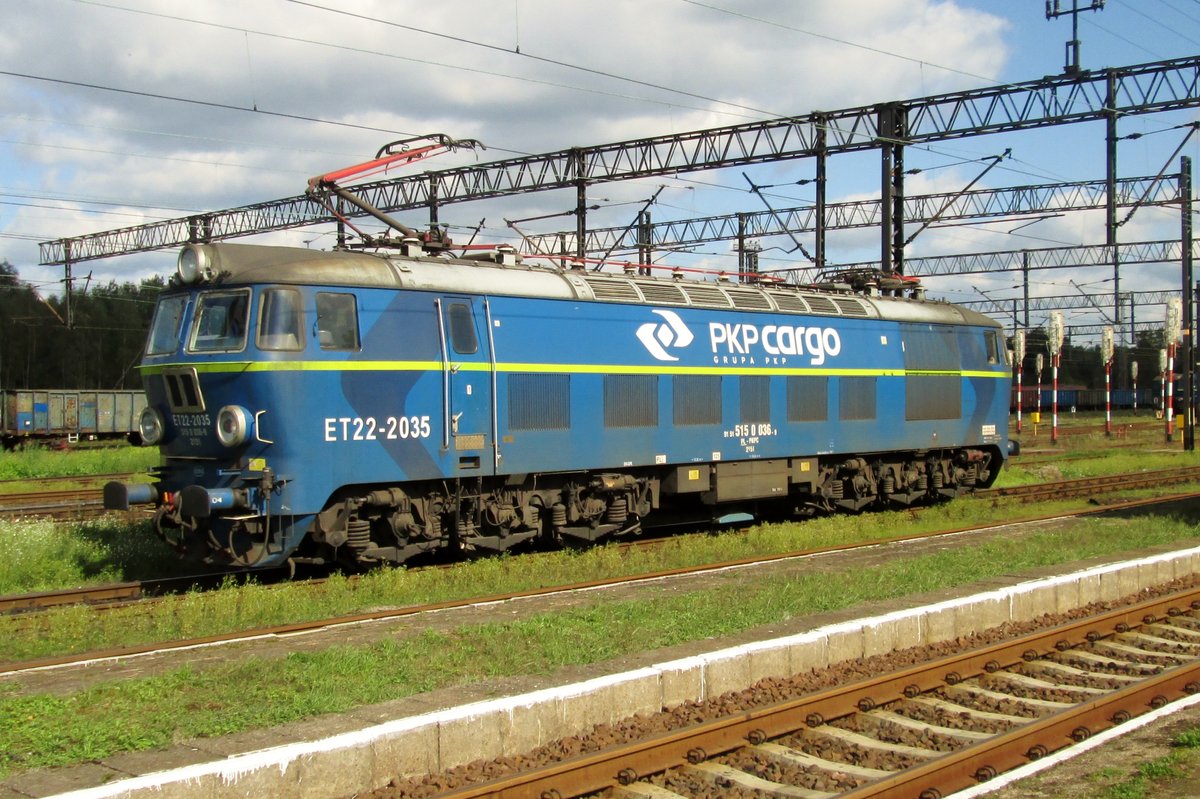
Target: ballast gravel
(764, 693)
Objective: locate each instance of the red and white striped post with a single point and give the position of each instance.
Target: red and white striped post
(1133, 370)
(1170, 389)
(1019, 357)
(1107, 349)
(1018, 397)
(1040, 362)
(1108, 399)
(1172, 331)
(1054, 398)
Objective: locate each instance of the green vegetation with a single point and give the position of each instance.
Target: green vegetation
(37, 462)
(59, 728)
(37, 556)
(109, 324)
(41, 555)
(1097, 463)
(1147, 778)
(55, 729)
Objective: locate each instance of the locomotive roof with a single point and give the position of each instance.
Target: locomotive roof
(252, 264)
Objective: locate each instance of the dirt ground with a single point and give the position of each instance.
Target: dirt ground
(1097, 773)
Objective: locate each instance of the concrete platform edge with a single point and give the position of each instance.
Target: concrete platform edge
(435, 740)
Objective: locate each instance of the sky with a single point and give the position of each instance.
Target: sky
(117, 113)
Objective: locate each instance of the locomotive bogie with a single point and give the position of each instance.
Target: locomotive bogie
(355, 408)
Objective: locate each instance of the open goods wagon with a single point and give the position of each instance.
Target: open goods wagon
(69, 414)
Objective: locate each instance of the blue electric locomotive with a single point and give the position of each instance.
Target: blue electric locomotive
(364, 407)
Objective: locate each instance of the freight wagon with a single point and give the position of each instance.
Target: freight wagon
(69, 414)
(1084, 399)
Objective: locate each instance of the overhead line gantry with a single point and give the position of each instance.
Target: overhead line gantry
(1053, 100)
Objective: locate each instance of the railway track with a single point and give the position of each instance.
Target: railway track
(118, 594)
(67, 478)
(60, 504)
(920, 731)
(82, 498)
(1087, 486)
(85, 502)
(124, 595)
(112, 595)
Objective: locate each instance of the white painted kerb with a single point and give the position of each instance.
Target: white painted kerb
(228, 770)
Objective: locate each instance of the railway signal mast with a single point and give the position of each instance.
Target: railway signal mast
(1054, 344)
(1019, 360)
(1106, 354)
(1173, 330)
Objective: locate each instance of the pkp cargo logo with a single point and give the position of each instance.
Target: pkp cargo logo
(656, 337)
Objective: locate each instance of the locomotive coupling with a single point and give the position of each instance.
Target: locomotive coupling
(121, 496)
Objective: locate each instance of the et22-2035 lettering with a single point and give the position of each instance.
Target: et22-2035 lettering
(359, 428)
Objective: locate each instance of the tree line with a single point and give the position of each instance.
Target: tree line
(100, 349)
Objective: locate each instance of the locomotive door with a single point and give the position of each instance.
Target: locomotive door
(468, 382)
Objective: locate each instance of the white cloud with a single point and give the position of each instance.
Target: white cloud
(71, 145)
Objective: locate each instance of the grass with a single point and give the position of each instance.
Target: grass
(239, 607)
(70, 727)
(1147, 777)
(37, 556)
(37, 462)
(58, 729)
(42, 555)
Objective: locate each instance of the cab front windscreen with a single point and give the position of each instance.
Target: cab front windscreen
(167, 327)
(219, 323)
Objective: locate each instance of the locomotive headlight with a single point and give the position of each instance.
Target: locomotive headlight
(233, 425)
(195, 263)
(150, 426)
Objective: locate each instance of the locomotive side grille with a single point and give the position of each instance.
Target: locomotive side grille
(631, 400)
(613, 290)
(756, 398)
(932, 397)
(807, 399)
(790, 302)
(706, 296)
(539, 401)
(183, 391)
(696, 399)
(850, 306)
(749, 299)
(856, 398)
(821, 305)
(662, 293)
(931, 348)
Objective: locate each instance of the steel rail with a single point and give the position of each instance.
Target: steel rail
(55, 504)
(413, 610)
(122, 593)
(103, 597)
(1084, 485)
(623, 765)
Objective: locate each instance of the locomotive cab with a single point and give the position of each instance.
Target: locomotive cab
(217, 492)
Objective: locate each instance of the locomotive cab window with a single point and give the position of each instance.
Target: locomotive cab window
(462, 329)
(167, 327)
(280, 320)
(993, 347)
(220, 323)
(337, 321)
